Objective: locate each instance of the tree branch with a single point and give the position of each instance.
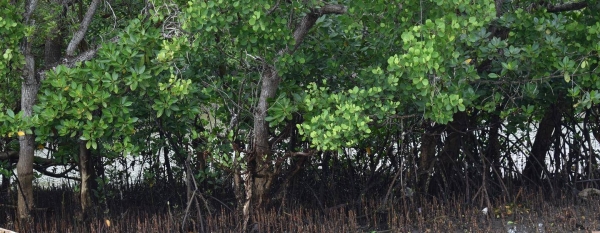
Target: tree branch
(570, 6)
(301, 153)
(29, 8)
(309, 20)
(64, 174)
(9, 155)
(70, 62)
(14, 156)
(85, 23)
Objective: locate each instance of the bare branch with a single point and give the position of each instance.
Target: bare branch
(85, 23)
(570, 6)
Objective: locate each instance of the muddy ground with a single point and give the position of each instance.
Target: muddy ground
(163, 209)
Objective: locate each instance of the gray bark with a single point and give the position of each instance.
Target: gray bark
(29, 89)
(85, 23)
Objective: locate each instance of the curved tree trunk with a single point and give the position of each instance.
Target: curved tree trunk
(535, 164)
(261, 162)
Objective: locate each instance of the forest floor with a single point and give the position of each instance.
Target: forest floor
(140, 210)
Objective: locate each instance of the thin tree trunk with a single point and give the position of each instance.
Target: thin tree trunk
(492, 150)
(168, 165)
(29, 89)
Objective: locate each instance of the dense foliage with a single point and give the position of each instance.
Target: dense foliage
(251, 96)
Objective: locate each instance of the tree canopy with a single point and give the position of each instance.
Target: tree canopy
(256, 91)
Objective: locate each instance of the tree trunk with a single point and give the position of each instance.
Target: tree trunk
(427, 158)
(88, 180)
(29, 89)
(261, 160)
(449, 156)
(492, 151)
(166, 156)
(53, 49)
(263, 175)
(25, 176)
(535, 164)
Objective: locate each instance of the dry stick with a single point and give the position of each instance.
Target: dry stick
(194, 200)
(317, 198)
(498, 174)
(545, 170)
(483, 160)
(219, 202)
(171, 218)
(202, 197)
(187, 210)
(387, 195)
(591, 154)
